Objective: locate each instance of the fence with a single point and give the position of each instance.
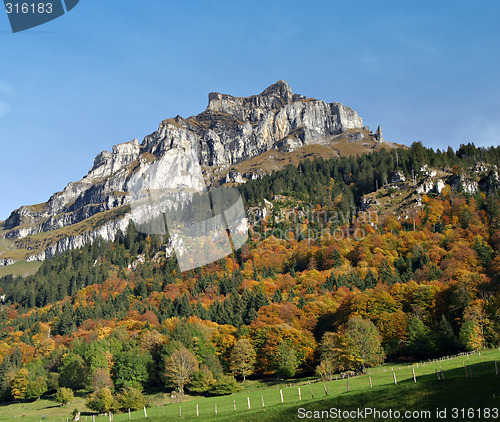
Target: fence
(294, 393)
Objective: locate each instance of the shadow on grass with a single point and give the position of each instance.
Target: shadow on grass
(482, 390)
(51, 407)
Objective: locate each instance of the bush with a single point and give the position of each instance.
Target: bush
(102, 401)
(64, 395)
(202, 381)
(225, 385)
(36, 389)
(131, 398)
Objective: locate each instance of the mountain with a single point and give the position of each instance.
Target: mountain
(234, 139)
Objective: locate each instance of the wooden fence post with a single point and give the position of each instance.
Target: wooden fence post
(300, 395)
(311, 390)
(326, 390)
(248, 400)
(348, 383)
(496, 368)
(414, 377)
(197, 410)
(234, 405)
(442, 373)
(262, 398)
(145, 413)
(129, 417)
(437, 373)
(370, 378)
(281, 395)
(180, 411)
(215, 408)
(395, 380)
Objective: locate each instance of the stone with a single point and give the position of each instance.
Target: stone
(397, 177)
(378, 134)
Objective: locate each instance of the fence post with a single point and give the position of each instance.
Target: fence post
(371, 386)
(395, 380)
(496, 368)
(163, 410)
(129, 417)
(262, 398)
(311, 390)
(300, 395)
(326, 390)
(442, 373)
(216, 409)
(414, 377)
(145, 413)
(197, 410)
(234, 405)
(437, 373)
(248, 400)
(347, 383)
(281, 394)
(180, 411)
(466, 373)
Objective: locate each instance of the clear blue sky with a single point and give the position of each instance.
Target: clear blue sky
(111, 70)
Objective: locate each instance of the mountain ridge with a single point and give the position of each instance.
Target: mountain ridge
(231, 131)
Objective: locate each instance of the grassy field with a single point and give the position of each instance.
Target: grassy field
(5, 244)
(482, 390)
(21, 268)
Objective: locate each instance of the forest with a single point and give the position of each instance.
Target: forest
(118, 319)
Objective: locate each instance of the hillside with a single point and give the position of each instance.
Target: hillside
(412, 275)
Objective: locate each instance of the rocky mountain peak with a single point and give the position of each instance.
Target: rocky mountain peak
(232, 130)
(274, 97)
(280, 89)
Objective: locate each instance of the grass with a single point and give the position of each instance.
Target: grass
(5, 245)
(429, 393)
(35, 411)
(21, 268)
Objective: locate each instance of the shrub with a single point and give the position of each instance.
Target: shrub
(131, 398)
(64, 395)
(225, 385)
(102, 401)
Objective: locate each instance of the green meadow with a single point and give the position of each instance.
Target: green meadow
(454, 391)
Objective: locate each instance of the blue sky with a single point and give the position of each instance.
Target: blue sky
(111, 70)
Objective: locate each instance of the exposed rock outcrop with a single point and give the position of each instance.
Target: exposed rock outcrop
(431, 185)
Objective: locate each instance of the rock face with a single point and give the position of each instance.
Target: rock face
(431, 185)
(230, 130)
(465, 185)
(397, 177)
